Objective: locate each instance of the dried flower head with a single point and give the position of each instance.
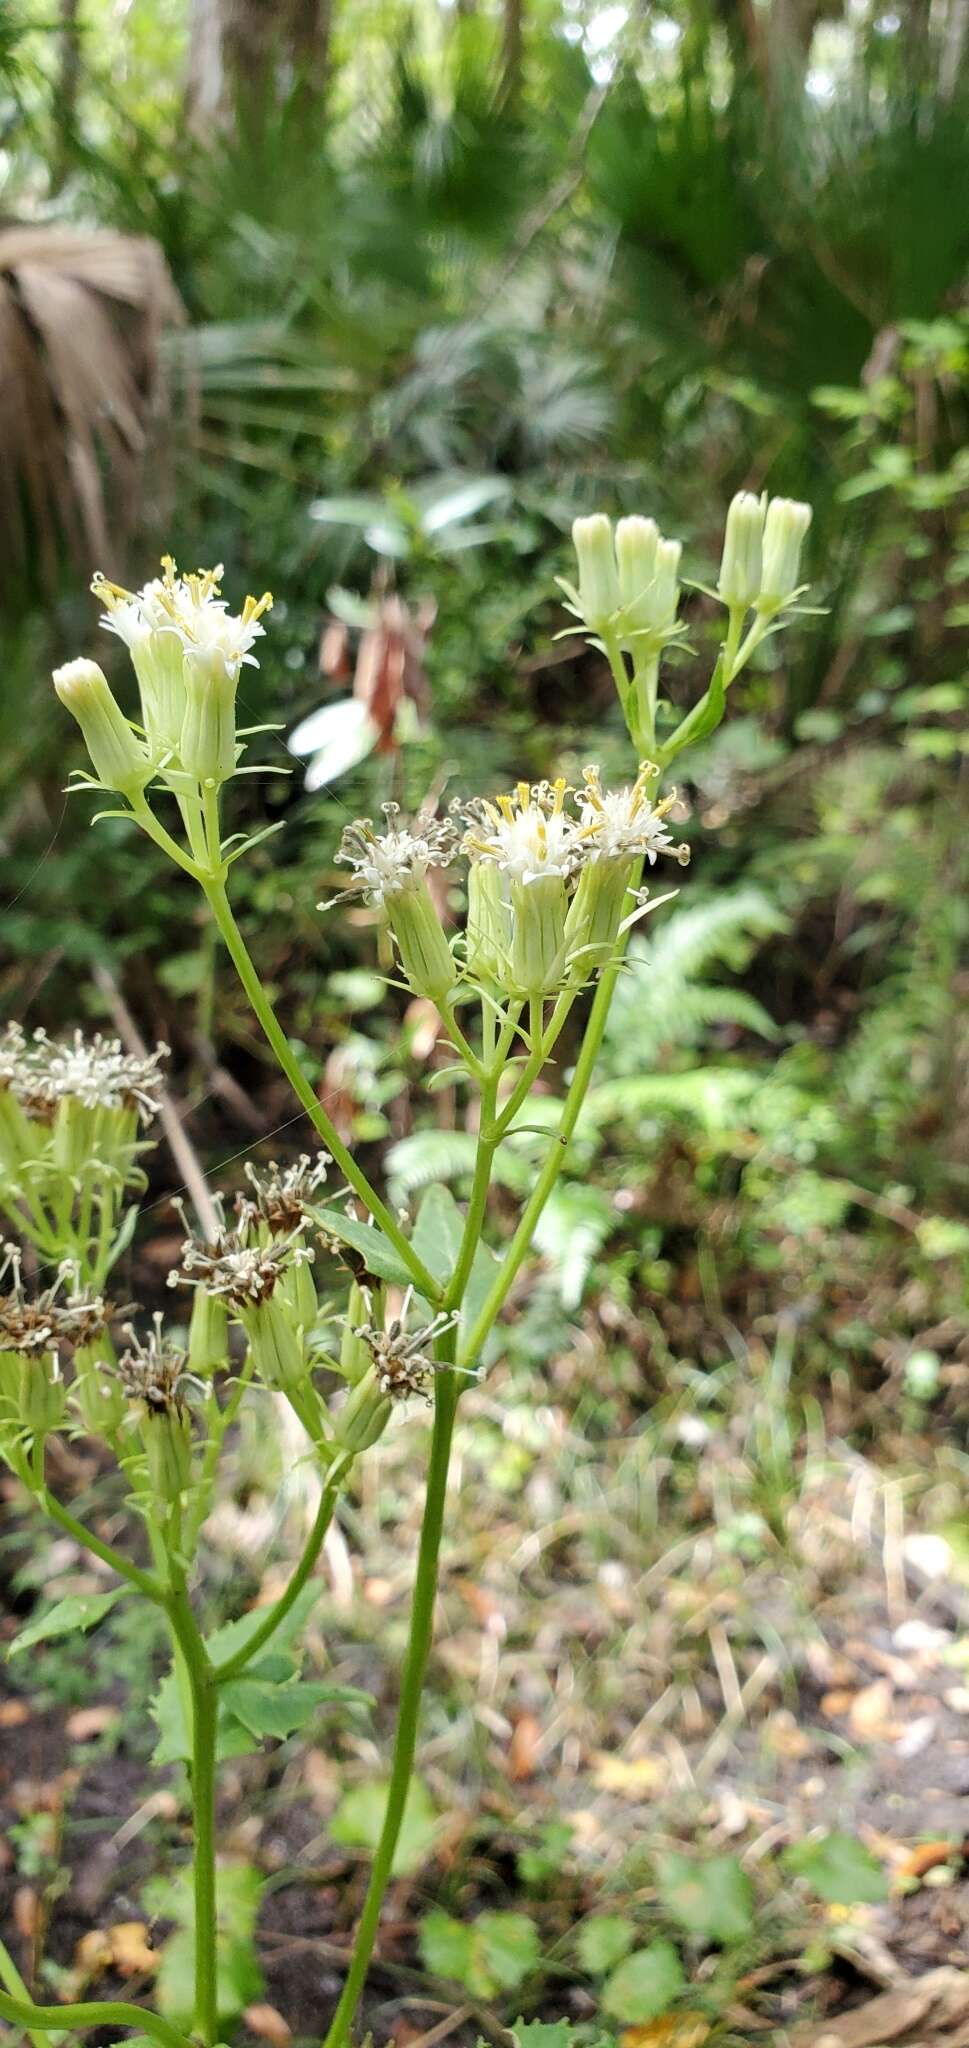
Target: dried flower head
(62, 1313)
(622, 824)
(152, 1369)
(281, 1199)
(403, 1362)
(240, 1274)
(386, 863)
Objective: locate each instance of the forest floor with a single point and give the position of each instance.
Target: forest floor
(724, 1638)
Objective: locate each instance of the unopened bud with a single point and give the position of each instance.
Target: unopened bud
(739, 580)
(364, 1415)
(636, 544)
(118, 758)
(599, 595)
(785, 529)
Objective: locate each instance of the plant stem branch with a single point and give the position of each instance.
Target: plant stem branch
(269, 1022)
(405, 1743)
(232, 1666)
(143, 1582)
(60, 2019)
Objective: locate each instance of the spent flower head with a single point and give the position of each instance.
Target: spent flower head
(63, 1313)
(403, 1361)
(281, 1200)
(152, 1369)
(241, 1274)
(386, 863)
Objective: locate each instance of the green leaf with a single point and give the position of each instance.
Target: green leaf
(438, 1231)
(79, 1612)
(603, 1943)
(446, 1946)
(495, 1952)
(543, 2034)
(174, 1745)
(360, 1816)
(278, 1710)
(645, 1985)
(510, 1947)
(701, 721)
(840, 1869)
(238, 1976)
(714, 1899)
(377, 1254)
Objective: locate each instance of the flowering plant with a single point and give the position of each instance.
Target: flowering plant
(552, 881)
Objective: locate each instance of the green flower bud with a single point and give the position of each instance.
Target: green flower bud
(119, 759)
(208, 1334)
(785, 529)
(207, 744)
(665, 593)
(275, 1344)
(599, 596)
(97, 1392)
(488, 928)
(636, 544)
(425, 955)
(364, 1416)
(166, 1434)
(537, 952)
(739, 580)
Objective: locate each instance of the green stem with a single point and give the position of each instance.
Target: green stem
(143, 1582)
(405, 1742)
(59, 2019)
(11, 1978)
(521, 1242)
(269, 1022)
(201, 1680)
(231, 1666)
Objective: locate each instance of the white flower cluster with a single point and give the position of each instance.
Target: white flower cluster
(187, 650)
(549, 871)
(95, 1072)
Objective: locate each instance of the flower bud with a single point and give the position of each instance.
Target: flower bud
(537, 952)
(208, 1334)
(636, 545)
(117, 756)
(425, 955)
(166, 1434)
(785, 528)
(275, 1344)
(665, 593)
(599, 595)
(739, 580)
(487, 927)
(97, 1392)
(207, 744)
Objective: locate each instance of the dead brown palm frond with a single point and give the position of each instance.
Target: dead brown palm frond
(81, 316)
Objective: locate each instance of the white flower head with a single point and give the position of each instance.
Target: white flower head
(528, 834)
(189, 607)
(386, 863)
(96, 1072)
(622, 824)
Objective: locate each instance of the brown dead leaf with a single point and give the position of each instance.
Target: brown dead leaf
(92, 1956)
(131, 1950)
(869, 1716)
(688, 2030)
(524, 1748)
(927, 2012)
(641, 1777)
(784, 1738)
(90, 1721)
(926, 1856)
(13, 1713)
(269, 2024)
(835, 1704)
(26, 1911)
